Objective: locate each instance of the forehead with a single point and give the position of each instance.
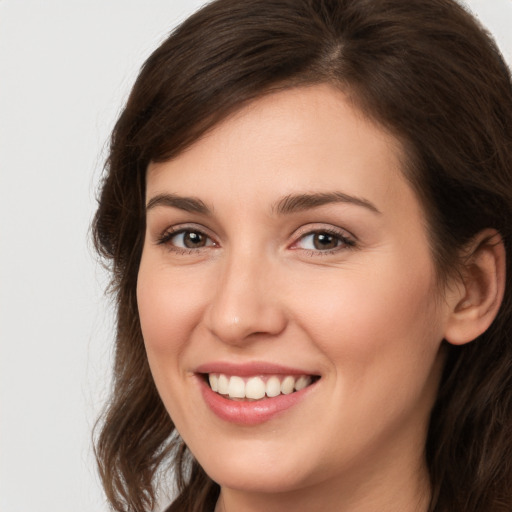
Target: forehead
(309, 139)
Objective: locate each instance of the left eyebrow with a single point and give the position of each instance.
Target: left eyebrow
(300, 202)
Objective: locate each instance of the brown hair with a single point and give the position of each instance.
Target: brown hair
(424, 70)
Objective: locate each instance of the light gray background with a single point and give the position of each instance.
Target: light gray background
(65, 69)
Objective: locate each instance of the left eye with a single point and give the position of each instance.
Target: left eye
(188, 239)
(322, 241)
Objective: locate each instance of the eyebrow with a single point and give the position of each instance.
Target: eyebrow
(287, 205)
(301, 202)
(188, 204)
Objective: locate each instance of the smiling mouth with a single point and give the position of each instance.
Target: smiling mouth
(259, 387)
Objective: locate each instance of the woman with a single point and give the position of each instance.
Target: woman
(308, 211)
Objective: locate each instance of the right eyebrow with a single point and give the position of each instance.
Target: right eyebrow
(188, 204)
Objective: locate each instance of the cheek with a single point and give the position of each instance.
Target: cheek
(170, 305)
(381, 336)
(374, 320)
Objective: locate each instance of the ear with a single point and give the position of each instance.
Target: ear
(476, 298)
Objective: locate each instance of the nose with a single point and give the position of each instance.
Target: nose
(245, 304)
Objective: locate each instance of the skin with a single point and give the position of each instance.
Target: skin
(366, 316)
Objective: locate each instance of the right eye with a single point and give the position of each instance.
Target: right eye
(188, 239)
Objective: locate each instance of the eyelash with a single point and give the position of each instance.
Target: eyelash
(170, 233)
(344, 241)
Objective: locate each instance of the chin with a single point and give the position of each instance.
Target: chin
(256, 469)
(255, 480)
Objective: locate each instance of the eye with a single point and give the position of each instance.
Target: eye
(186, 239)
(323, 241)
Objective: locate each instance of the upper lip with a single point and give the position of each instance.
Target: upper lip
(250, 368)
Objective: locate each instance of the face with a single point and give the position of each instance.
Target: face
(286, 261)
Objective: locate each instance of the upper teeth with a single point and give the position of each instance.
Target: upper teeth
(255, 388)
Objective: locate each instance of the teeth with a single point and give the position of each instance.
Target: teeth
(287, 385)
(223, 385)
(255, 388)
(273, 387)
(302, 382)
(236, 388)
(214, 382)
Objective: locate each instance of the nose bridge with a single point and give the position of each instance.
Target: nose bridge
(245, 302)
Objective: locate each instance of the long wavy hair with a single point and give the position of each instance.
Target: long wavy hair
(424, 70)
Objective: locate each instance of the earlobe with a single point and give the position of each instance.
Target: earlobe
(480, 289)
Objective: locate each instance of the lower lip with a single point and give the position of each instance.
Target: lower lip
(250, 413)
